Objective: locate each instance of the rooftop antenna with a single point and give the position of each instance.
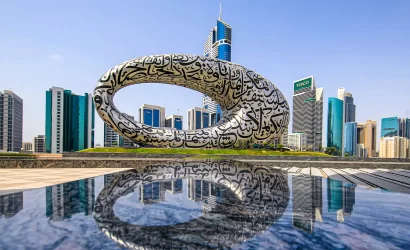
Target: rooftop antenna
(220, 12)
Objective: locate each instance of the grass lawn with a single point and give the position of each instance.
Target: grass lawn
(201, 151)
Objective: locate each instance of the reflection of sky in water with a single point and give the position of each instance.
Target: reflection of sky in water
(375, 219)
(174, 208)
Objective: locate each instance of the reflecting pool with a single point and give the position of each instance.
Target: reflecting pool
(215, 205)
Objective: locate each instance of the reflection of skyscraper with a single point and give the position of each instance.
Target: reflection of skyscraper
(108, 178)
(152, 192)
(198, 189)
(65, 200)
(11, 204)
(349, 197)
(306, 201)
(340, 198)
(174, 187)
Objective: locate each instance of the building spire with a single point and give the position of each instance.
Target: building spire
(220, 12)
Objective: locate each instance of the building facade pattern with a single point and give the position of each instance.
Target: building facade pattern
(308, 111)
(11, 122)
(253, 108)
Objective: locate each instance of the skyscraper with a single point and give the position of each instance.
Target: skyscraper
(198, 118)
(39, 144)
(111, 138)
(174, 121)
(69, 121)
(335, 123)
(152, 115)
(11, 121)
(217, 45)
(350, 138)
(349, 107)
(306, 201)
(366, 135)
(308, 111)
(390, 127)
(405, 128)
(11, 204)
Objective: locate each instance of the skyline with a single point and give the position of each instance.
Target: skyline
(356, 48)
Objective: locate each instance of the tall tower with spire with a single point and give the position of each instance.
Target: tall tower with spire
(217, 45)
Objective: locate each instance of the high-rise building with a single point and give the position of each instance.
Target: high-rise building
(27, 146)
(308, 111)
(307, 202)
(335, 123)
(361, 151)
(348, 105)
(394, 147)
(405, 128)
(39, 144)
(11, 122)
(111, 138)
(174, 121)
(198, 118)
(390, 127)
(197, 190)
(297, 141)
(69, 121)
(366, 135)
(217, 45)
(152, 115)
(65, 200)
(350, 138)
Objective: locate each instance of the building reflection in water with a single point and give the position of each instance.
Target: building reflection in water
(65, 200)
(340, 198)
(307, 201)
(11, 204)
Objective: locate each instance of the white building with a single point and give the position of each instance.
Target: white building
(39, 144)
(111, 138)
(174, 121)
(394, 147)
(361, 151)
(152, 115)
(297, 141)
(27, 146)
(198, 118)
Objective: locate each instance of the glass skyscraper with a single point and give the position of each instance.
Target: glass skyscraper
(405, 128)
(152, 115)
(350, 138)
(69, 121)
(335, 123)
(217, 45)
(308, 111)
(390, 127)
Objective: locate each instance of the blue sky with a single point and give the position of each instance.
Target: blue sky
(363, 46)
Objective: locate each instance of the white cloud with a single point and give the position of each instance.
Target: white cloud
(55, 57)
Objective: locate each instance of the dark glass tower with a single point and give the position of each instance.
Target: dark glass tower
(335, 123)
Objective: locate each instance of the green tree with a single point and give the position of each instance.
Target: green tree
(346, 154)
(280, 146)
(330, 151)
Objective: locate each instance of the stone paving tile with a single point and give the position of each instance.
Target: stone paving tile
(36, 178)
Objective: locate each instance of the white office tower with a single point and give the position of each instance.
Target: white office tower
(152, 115)
(198, 118)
